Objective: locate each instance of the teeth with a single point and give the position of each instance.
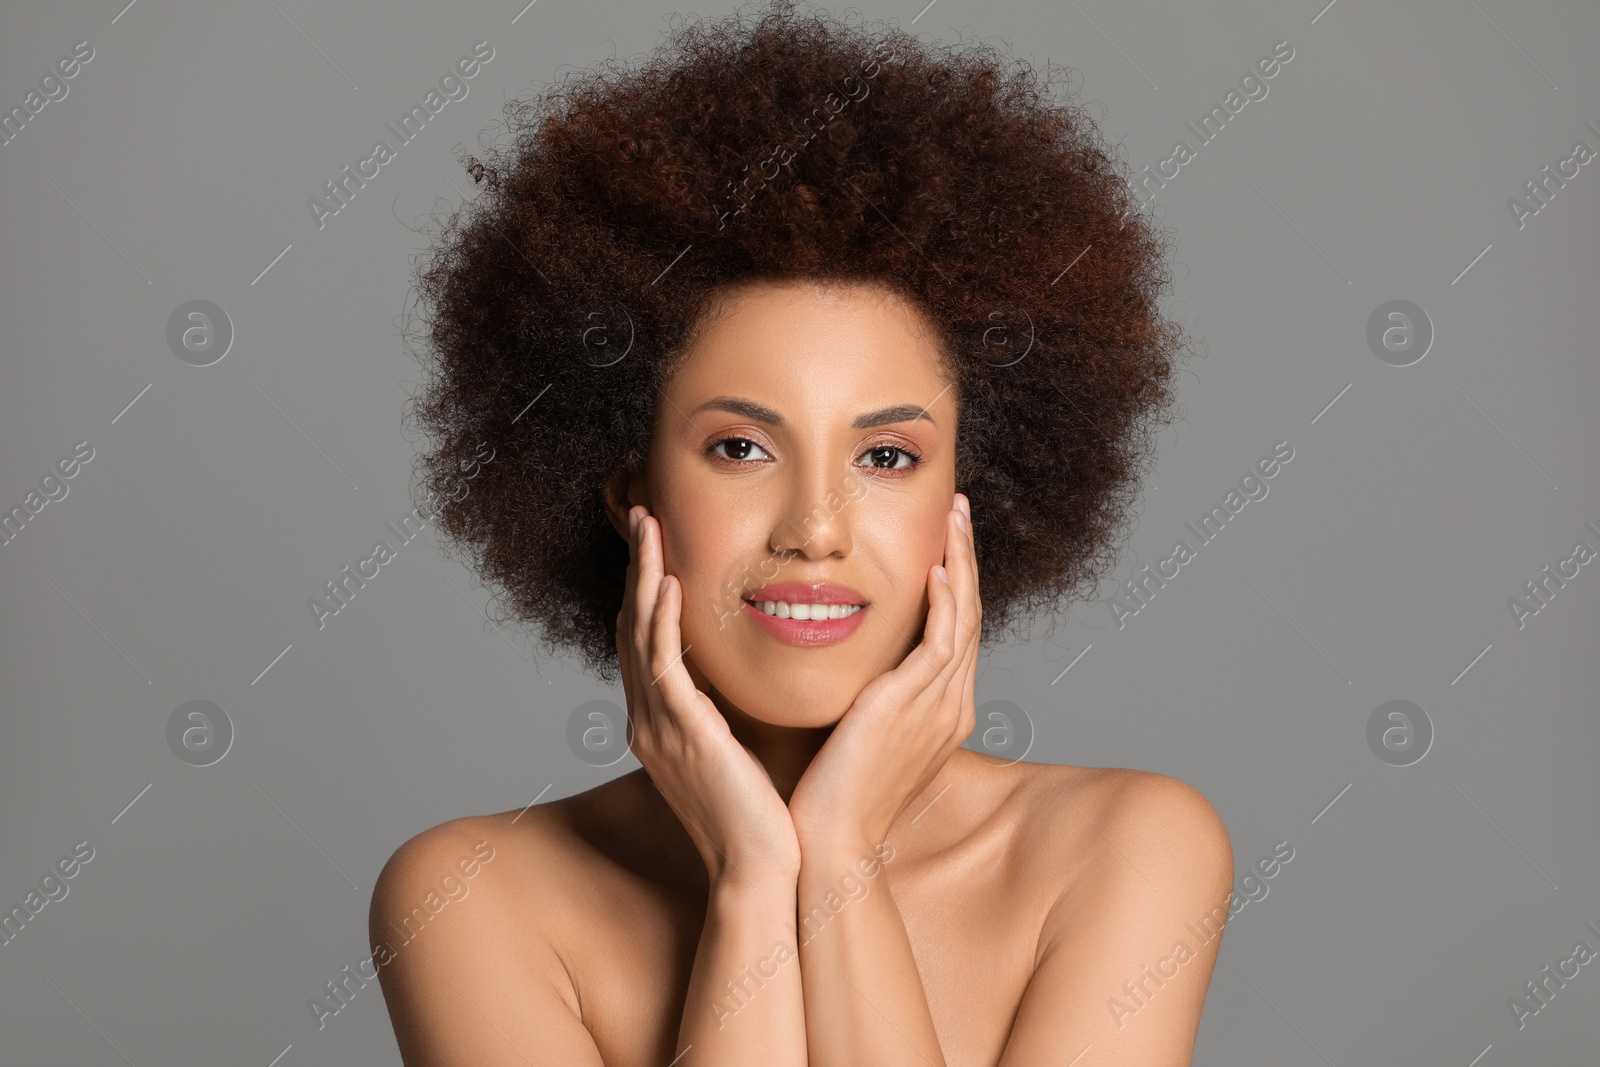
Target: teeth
(783, 609)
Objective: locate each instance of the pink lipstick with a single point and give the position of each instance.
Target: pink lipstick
(823, 599)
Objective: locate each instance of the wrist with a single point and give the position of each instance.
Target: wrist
(829, 856)
(746, 884)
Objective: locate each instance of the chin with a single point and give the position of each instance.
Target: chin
(807, 699)
(783, 685)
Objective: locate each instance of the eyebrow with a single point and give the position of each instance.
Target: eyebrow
(752, 410)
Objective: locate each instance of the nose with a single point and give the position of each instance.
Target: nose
(814, 520)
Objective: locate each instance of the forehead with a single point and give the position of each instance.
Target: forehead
(828, 346)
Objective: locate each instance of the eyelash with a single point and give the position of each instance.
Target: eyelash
(914, 456)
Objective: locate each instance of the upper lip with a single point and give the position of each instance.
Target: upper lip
(807, 593)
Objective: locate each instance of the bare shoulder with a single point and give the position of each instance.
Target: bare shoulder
(505, 861)
(452, 919)
(1108, 830)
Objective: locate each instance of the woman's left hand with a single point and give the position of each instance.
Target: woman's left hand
(905, 724)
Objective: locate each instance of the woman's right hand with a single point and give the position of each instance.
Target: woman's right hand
(720, 791)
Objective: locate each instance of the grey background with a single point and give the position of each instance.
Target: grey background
(1379, 567)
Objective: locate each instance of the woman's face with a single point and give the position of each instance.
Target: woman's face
(808, 437)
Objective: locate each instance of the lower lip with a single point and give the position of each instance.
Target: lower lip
(807, 633)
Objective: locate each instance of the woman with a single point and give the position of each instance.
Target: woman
(740, 324)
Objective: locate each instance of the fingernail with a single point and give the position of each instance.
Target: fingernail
(633, 522)
(965, 505)
(662, 589)
(961, 521)
(940, 573)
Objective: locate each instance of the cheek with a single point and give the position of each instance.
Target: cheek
(705, 543)
(905, 542)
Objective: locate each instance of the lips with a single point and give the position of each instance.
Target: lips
(807, 593)
(806, 633)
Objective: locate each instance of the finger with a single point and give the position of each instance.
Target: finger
(965, 582)
(679, 695)
(960, 697)
(640, 590)
(938, 647)
(647, 587)
(961, 562)
(624, 635)
(972, 552)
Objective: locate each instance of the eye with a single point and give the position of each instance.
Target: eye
(888, 452)
(740, 445)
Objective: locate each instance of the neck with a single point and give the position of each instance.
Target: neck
(785, 751)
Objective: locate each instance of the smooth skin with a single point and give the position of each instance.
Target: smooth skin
(809, 869)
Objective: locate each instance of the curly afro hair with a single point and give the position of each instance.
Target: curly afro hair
(792, 147)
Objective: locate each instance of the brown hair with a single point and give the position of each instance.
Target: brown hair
(628, 200)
